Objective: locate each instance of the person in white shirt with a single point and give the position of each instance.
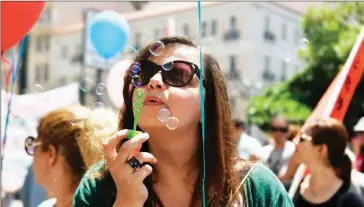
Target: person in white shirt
(277, 155)
(246, 145)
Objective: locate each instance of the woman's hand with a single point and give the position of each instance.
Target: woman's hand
(131, 192)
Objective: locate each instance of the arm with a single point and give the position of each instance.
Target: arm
(292, 168)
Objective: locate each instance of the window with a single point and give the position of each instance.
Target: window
(233, 22)
(157, 33)
(41, 73)
(137, 41)
(284, 71)
(267, 23)
(46, 73)
(204, 29)
(233, 71)
(213, 27)
(38, 44)
(266, 62)
(296, 36)
(46, 16)
(284, 31)
(64, 52)
(42, 43)
(232, 33)
(186, 30)
(267, 34)
(267, 74)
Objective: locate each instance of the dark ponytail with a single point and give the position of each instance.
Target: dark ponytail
(344, 168)
(333, 134)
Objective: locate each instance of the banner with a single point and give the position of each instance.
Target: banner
(25, 112)
(336, 100)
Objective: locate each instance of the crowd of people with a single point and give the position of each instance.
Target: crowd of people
(84, 158)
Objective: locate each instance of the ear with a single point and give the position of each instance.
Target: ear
(323, 151)
(52, 155)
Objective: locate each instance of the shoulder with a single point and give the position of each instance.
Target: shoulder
(48, 203)
(351, 198)
(262, 188)
(252, 140)
(89, 192)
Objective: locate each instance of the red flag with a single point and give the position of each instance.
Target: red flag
(336, 100)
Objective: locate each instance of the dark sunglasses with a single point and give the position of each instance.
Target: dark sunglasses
(176, 73)
(280, 129)
(30, 145)
(305, 137)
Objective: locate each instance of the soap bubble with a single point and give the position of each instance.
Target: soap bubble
(156, 48)
(303, 44)
(85, 84)
(73, 122)
(168, 65)
(288, 57)
(37, 88)
(129, 52)
(97, 105)
(163, 115)
(135, 69)
(172, 123)
(100, 89)
(136, 81)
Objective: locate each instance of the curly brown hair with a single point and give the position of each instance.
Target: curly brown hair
(76, 133)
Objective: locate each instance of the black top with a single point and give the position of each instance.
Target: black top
(345, 196)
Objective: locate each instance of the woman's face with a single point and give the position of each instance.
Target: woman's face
(182, 102)
(40, 165)
(307, 152)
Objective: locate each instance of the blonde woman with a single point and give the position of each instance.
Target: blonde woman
(68, 143)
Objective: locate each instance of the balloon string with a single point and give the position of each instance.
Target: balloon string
(202, 105)
(7, 120)
(7, 75)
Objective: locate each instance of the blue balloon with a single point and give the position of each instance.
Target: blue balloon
(109, 33)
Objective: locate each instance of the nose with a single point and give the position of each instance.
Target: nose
(156, 82)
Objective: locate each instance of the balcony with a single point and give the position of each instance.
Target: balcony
(269, 36)
(231, 34)
(268, 75)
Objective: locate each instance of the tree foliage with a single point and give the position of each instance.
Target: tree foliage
(331, 30)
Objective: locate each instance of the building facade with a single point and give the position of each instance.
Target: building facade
(255, 42)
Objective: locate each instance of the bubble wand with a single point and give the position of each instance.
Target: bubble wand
(137, 105)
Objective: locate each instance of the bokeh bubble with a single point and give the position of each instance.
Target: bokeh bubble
(156, 48)
(100, 89)
(172, 123)
(163, 115)
(136, 81)
(168, 65)
(86, 84)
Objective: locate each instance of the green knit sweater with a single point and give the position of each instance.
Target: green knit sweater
(261, 188)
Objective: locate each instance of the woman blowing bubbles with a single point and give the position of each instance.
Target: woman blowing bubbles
(168, 169)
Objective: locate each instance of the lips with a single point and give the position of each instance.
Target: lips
(153, 100)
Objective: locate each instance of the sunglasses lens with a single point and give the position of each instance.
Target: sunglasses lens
(179, 75)
(29, 145)
(280, 129)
